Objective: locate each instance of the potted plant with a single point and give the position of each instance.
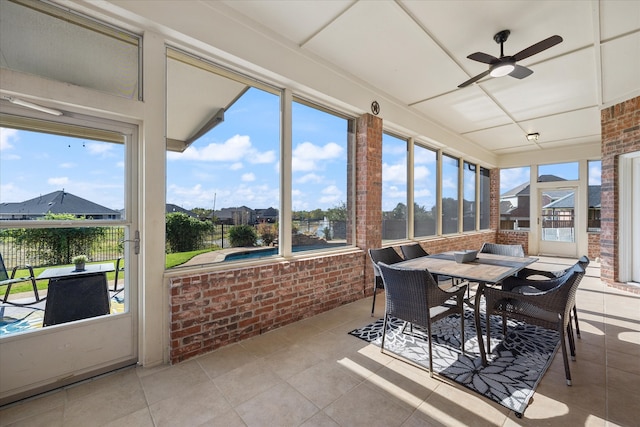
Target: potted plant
(79, 261)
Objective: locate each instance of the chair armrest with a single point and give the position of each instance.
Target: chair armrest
(553, 300)
(525, 273)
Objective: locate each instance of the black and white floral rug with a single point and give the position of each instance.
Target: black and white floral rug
(516, 364)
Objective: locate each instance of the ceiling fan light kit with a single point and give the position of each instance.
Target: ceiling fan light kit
(506, 65)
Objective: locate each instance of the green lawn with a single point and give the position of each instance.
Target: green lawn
(171, 260)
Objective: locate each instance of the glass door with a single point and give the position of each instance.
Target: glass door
(68, 195)
(557, 221)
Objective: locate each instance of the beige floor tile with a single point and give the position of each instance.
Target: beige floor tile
(368, 406)
(51, 418)
(265, 344)
(200, 403)
(623, 362)
(320, 419)
(324, 383)
(227, 419)
(174, 381)
(226, 359)
(247, 381)
(291, 360)
(103, 406)
(124, 378)
(140, 418)
(281, 405)
(623, 407)
(30, 407)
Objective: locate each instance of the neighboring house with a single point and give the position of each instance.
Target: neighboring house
(236, 215)
(58, 202)
(560, 204)
(171, 208)
(269, 215)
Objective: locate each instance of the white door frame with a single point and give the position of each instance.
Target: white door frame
(629, 217)
(55, 356)
(555, 248)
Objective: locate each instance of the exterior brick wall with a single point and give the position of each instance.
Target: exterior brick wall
(593, 251)
(214, 309)
(620, 135)
(507, 237)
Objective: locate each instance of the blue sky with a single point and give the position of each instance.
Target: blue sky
(236, 163)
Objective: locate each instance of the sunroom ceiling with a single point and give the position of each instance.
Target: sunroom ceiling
(415, 52)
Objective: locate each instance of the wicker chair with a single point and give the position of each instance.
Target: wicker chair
(522, 284)
(550, 309)
(416, 251)
(9, 281)
(413, 296)
(500, 249)
(387, 256)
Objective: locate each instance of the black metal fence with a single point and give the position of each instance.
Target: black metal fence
(106, 245)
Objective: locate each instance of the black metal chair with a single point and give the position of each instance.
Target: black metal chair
(523, 283)
(119, 272)
(550, 309)
(502, 249)
(414, 296)
(387, 256)
(9, 281)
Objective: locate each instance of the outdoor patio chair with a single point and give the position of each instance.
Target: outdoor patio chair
(414, 297)
(523, 283)
(119, 273)
(550, 309)
(415, 250)
(386, 255)
(501, 249)
(9, 281)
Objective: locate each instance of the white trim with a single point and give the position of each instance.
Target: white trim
(628, 169)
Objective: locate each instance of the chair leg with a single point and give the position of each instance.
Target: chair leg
(430, 349)
(575, 319)
(384, 333)
(572, 342)
(373, 306)
(462, 330)
(565, 358)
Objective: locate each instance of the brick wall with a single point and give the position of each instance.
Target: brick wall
(593, 251)
(508, 237)
(214, 309)
(620, 135)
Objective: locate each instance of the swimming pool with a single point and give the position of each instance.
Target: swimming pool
(259, 253)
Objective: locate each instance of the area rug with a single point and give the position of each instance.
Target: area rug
(516, 364)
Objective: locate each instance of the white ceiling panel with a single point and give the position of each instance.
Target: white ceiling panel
(501, 137)
(382, 45)
(464, 110)
(618, 17)
(309, 17)
(621, 67)
(564, 84)
(566, 126)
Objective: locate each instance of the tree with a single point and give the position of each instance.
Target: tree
(185, 233)
(267, 233)
(56, 246)
(338, 212)
(243, 235)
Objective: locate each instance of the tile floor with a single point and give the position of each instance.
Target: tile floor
(312, 373)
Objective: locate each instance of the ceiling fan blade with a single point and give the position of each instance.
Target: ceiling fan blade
(520, 72)
(485, 58)
(474, 79)
(537, 48)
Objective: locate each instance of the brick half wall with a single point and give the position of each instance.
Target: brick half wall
(211, 310)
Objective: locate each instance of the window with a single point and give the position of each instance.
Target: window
(515, 198)
(69, 47)
(558, 172)
(223, 177)
(594, 205)
(62, 195)
(424, 191)
(394, 188)
(485, 199)
(469, 202)
(450, 186)
(320, 181)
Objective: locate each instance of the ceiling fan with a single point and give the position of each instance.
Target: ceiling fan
(504, 65)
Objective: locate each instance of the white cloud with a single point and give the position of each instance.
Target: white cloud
(396, 192)
(68, 165)
(421, 172)
(99, 148)
(6, 135)
(310, 178)
(395, 173)
(512, 177)
(235, 149)
(236, 166)
(248, 177)
(58, 181)
(595, 175)
(307, 155)
(330, 195)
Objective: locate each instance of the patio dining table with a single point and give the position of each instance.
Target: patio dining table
(486, 269)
